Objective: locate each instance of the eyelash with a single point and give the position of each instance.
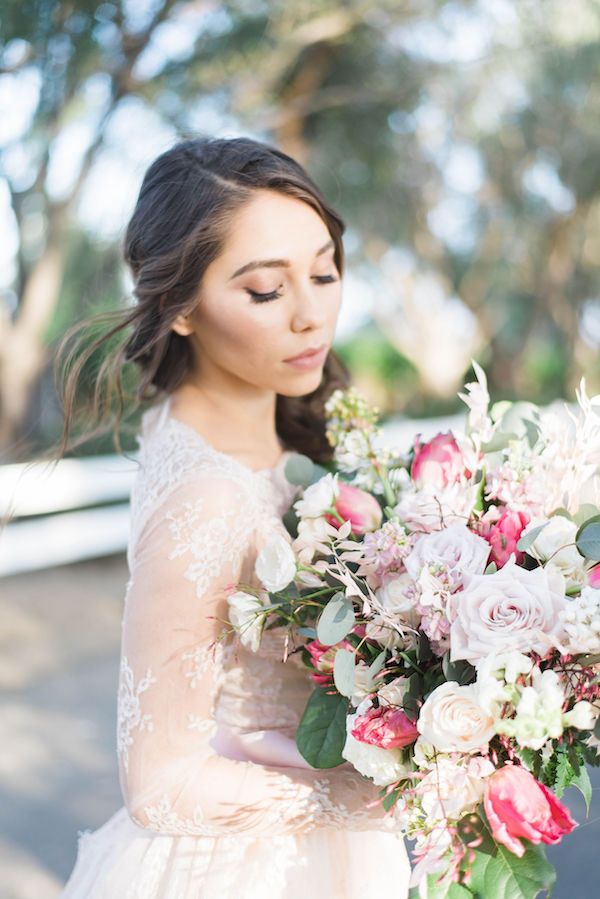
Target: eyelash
(266, 297)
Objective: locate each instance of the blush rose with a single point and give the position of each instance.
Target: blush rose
(519, 807)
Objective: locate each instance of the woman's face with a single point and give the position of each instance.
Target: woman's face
(280, 247)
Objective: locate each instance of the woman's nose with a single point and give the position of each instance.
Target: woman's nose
(310, 308)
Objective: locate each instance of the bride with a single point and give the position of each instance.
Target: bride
(237, 260)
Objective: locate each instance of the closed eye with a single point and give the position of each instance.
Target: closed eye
(273, 295)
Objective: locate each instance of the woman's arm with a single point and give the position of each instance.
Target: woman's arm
(175, 772)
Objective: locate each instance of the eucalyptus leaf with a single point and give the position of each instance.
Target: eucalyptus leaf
(318, 472)
(586, 512)
(491, 569)
(307, 632)
(343, 671)
(587, 539)
(525, 542)
(321, 734)
(336, 619)
(299, 469)
(562, 511)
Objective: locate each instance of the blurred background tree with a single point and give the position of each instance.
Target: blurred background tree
(459, 140)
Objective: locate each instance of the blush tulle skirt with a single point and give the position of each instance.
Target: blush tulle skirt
(121, 860)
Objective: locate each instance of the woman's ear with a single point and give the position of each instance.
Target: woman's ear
(181, 325)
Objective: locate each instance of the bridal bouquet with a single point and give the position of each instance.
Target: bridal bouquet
(447, 603)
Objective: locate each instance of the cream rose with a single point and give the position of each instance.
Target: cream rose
(511, 609)
(275, 565)
(556, 541)
(452, 720)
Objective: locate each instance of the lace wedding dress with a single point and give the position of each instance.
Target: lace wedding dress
(218, 801)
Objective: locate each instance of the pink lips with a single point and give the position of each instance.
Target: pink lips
(310, 358)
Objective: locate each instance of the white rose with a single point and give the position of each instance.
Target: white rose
(452, 719)
(455, 546)
(558, 532)
(383, 766)
(246, 615)
(511, 609)
(275, 565)
(318, 497)
(453, 787)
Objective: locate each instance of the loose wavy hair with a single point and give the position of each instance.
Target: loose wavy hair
(179, 225)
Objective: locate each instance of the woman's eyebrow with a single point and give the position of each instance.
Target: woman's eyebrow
(275, 263)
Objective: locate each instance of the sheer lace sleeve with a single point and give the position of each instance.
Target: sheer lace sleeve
(191, 550)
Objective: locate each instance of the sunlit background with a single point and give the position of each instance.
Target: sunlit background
(460, 141)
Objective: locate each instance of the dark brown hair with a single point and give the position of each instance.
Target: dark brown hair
(178, 227)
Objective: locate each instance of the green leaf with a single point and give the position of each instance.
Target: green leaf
(498, 872)
(584, 785)
(336, 619)
(461, 671)
(525, 542)
(343, 671)
(377, 663)
(562, 511)
(307, 632)
(445, 891)
(587, 539)
(321, 734)
(299, 469)
(412, 696)
(492, 568)
(586, 512)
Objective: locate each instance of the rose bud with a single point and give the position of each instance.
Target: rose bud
(357, 506)
(438, 462)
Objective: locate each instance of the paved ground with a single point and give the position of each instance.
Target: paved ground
(59, 653)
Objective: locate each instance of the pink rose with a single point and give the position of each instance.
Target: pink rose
(593, 577)
(517, 805)
(386, 727)
(357, 506)
(439, 462)
(502, 530)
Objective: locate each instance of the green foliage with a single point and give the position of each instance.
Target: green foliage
(587, 539)
(336, 619)
(321, 734)
(498, 872)
(343, 671)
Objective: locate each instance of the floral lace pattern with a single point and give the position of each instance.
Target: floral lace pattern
(129, 713)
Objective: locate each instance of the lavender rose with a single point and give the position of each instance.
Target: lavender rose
(512, 609)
